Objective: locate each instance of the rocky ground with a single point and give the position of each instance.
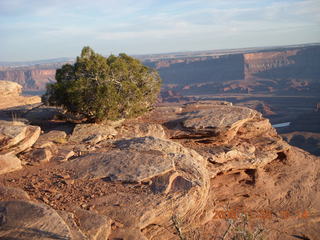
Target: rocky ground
(203, 170)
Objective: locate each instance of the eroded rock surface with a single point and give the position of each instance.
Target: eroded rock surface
(174, 182)
(170, 170)
(17, 137)
(218, 120)
(10, 95)
(26, 221)
(9, 163)
(10, 193)
(92, 133)
(142, 130)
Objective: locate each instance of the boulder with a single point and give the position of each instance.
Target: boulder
(176, 177)
(139, 160)
(9, 163)
(41, 155)
(11, 133)
(17, 137)
(28, 220)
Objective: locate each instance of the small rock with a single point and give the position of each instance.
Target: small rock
(41, 155)
(64, 155)
(69, 181)
(54, 136)
(9, 163)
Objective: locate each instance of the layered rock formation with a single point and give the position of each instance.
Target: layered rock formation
(30, 79)
(292, 70)
(15, 138)
(270, 70)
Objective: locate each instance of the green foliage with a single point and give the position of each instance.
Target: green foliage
(100, 88)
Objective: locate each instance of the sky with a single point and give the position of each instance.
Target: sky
(44, 29)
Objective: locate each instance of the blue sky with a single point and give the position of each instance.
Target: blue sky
(42, 29)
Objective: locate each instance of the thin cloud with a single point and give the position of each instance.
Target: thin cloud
(154, 25)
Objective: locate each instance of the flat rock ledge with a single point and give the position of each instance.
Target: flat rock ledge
(221, 121)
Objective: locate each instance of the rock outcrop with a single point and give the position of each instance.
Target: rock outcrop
(15, 137)
(27, 220)
(10, 95)
(201, 171)
(8, 88)
(177, 178)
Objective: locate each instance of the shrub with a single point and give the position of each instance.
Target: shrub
(100, 88)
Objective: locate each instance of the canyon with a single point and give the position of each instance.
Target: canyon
(278, 70)
(206, 163)
(281, 82)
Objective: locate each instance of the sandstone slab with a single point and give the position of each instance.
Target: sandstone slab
(175, 180)
(218, 118)
(54, 136)
(137, 160)
(92, 132)
(95, 226)
(69, 219)
(27, 221)
(11, 133)
(142, 130)
(9, 163)
(17, 137)
(10, 95)
(10, 193)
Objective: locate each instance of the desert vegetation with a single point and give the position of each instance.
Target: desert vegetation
(99, 88)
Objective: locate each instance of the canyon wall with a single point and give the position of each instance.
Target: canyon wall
(289, 71)
(293, 70)
(31, 80)
(303, 63)
(200, 69)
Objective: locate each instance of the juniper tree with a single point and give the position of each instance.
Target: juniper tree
(100, 88)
